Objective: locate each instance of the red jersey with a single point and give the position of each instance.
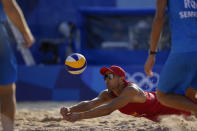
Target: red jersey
(151, 109)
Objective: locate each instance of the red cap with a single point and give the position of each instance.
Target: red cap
(114, 69)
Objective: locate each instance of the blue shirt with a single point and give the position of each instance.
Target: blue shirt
(183, 23)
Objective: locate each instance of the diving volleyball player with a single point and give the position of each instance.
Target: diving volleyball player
(120, 95)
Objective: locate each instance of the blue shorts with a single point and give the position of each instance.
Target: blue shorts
(8, 66)
(178, 73)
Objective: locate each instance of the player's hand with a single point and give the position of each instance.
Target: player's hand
(64, 111)
(72, 117)
(149, 65)
(29, 40)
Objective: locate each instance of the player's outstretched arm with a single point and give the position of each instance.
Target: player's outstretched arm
(102, 110)
(87, 105)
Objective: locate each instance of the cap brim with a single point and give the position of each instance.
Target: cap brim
(103, 70)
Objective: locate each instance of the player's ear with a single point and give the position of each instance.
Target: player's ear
(121, 79)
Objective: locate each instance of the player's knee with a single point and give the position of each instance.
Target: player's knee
(8, 90)
(7, 96)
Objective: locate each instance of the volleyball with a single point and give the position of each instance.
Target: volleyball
(75, 63)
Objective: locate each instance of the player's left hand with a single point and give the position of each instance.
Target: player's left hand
(29, 39)
(149, 65)
(64, 111)
(72, 117)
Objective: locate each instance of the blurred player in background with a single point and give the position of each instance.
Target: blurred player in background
(180, 69)
(8, 66)
(120, 95)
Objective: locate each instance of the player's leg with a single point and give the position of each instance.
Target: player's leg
(8, 75)
(174, 80)
(8, 106)
(176, 101)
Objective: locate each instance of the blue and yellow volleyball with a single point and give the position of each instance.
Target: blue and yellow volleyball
(75, 63)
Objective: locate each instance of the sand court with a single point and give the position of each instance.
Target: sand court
(44, 116)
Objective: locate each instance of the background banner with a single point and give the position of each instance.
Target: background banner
(56, 84)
